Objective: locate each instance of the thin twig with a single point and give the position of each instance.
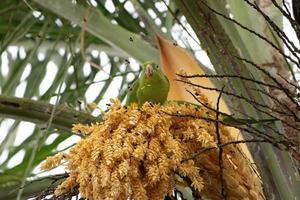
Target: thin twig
(277, 30)
(250, 101)
(219, 142)
(204, 150)
(82, 33)
(283, 104)
(228, 76)
(270, 76)
(252, 32)
(255, 130)
(195, 193)
(179, 22)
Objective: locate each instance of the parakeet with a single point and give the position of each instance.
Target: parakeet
(152, 86)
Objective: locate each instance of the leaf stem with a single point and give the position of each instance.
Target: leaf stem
(39, 112)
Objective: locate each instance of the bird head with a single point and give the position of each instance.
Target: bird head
(150, 68)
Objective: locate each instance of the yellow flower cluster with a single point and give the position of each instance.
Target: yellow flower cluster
(135, 153)
(140, 153)
(241, 178)
(54, 161)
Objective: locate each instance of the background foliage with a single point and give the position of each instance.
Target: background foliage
(47, 49)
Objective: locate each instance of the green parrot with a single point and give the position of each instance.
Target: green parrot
(152, 85)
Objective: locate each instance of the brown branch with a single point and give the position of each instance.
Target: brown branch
(219, 142)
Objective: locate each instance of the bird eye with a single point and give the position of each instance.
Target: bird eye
(157, 66)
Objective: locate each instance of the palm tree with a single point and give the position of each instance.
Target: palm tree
(59, 56)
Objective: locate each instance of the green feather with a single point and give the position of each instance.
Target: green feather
(151, 86)
(131, 94)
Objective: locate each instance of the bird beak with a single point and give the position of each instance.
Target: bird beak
(149, 70)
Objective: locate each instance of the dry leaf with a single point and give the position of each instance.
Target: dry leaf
(173, 58)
